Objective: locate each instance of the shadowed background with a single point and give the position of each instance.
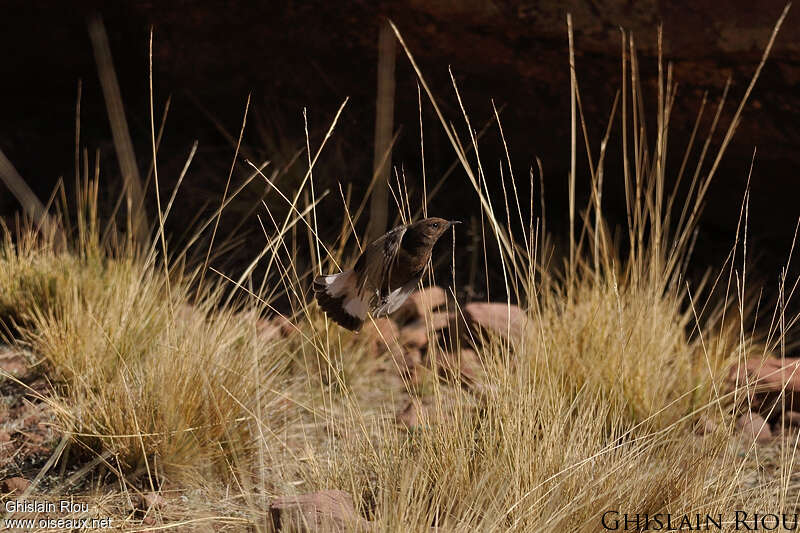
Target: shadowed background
(295, 55)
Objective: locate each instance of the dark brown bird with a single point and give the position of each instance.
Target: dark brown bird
(384, 275)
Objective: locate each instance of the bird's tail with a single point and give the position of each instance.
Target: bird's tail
(339, 297)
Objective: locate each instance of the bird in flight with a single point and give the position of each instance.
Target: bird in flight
(384, 275)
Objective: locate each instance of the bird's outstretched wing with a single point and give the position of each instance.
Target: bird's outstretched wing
(348, 296)
(389, 303)
(375, 265)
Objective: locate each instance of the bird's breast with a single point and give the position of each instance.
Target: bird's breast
(407, 266)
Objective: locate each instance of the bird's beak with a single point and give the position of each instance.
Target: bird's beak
(454, 222)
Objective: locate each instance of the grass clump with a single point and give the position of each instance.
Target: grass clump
(143, 375)
(150, 385)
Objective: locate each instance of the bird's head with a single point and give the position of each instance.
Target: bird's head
(429, 230)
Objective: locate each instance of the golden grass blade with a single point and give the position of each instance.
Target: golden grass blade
(225, 192)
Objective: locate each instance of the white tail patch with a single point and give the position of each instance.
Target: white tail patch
(338, 296)
(338, 284)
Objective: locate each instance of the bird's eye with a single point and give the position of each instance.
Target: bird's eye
(436, 225)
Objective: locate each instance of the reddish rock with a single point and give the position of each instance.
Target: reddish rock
(39, 385)
(268, 330)
(485, 392)
(791, 418)
(384, 336)
(14, 362)
(754, 427)
(759, 372)
(765, 380)
(705, 425)
(383, 327)
(410, 364)
(494, 318)
(324, 511)
(420, 303)
(152, 500)
(412, 414)
(405, 370)
(287, 327)
(417, 333)
(412, 358)
(150, 503)
(421, 413)
(16, 485)
(398, 371)
(464, 364)
(274, 327)
(414, 334)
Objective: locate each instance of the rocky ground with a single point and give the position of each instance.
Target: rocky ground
(32, 449)
(27, 433)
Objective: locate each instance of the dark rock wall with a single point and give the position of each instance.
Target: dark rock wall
(292, 55)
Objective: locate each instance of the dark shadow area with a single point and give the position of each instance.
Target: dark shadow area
(292, 56)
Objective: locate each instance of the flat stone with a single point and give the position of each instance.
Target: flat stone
(766, 380)
(384, 336)
(496, 318)
(15, 485)
(267, 330)
(412, 414)
(791, 418)
(287, 327)
(705, 426)
(421, 413)
(420, 303)
(317, 512)
(418, 332)
(152, 500)
(464, 364)
(754, 427)
(14, 362)
(411, 363)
